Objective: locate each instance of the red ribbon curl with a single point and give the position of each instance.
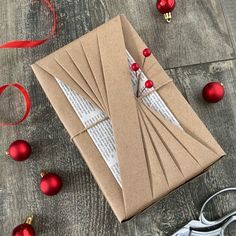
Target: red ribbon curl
(34, 43)
(26, 98)
(27, 44)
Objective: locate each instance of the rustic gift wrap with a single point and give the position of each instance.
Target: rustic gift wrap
(154, 156)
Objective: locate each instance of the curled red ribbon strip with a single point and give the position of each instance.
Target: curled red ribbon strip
(26, 98)
(34, 43)
(27, 44)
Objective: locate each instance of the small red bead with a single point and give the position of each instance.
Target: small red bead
(147, 52)
(23, 230)
(213, 92)
(134, 67)
(148, 84)
(19, 150)
(50, 184)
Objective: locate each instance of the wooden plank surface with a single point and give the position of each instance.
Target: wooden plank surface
(199, 46)
(229, 8)
(189, 39)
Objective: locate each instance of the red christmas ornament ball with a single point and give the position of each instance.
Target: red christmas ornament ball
(147, 52)
(50, 184)
(213, 92)
(165, 6)
(19, 150)
(148, 84)
(135, 67)
(23, 230)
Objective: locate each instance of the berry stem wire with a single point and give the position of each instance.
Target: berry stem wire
(139, 77)
(144, 60)
(141, 92)
(138, 83)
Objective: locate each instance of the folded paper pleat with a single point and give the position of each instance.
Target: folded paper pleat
(124, 117)
(76, 52)
(91, 50)
(65, 61)
(57, 71)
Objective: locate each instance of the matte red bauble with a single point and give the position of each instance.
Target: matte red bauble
(25, 229)
(50, 183)
(166, 7)
(19, 150)
(213, 92)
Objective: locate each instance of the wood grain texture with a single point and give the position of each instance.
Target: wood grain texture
(189, 39)
(199, 34)
(229, 8)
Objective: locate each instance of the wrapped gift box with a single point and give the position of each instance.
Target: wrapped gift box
(138, 148)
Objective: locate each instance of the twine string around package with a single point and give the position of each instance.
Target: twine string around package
(139, 99)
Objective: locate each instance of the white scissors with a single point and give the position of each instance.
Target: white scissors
(204, 227)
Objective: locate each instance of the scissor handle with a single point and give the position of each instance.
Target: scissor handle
(207, 222)
(232, 219)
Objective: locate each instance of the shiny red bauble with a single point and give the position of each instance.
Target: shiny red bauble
(213, 92)
(24, 230)
(148, 84)
(165, 6)
(50, 183)
(147, 52)
(19, 150)
(134, 67)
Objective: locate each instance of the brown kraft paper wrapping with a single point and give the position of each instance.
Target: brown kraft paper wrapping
(154, 156)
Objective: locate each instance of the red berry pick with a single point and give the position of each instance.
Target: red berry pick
(166, 7)
(25, 229)
(148, 84)
(134, 67)
(50, 183)
(147, 52)
(213, 92)
(19, 150)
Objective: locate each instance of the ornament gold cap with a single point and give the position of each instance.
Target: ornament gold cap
(168, 17)
(43, 173)
(29, 220)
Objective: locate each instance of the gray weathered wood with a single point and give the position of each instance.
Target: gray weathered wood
(189, 39)
(197, 36)
(229, 8)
